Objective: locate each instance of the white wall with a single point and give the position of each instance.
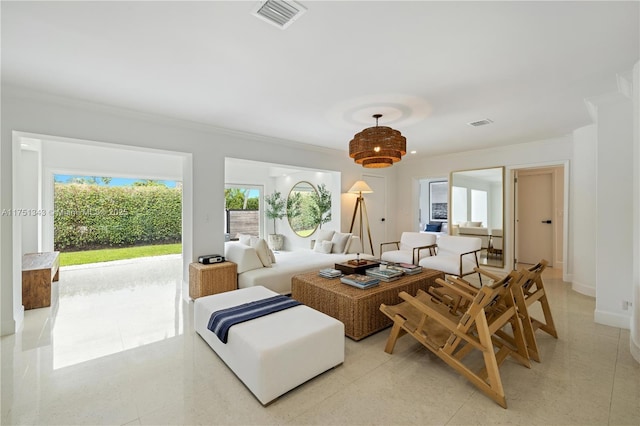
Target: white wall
(582, 211)
(204, 149)
(30, 194)
(614, 219)
(635, 318)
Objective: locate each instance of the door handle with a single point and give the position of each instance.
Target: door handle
(546, 221)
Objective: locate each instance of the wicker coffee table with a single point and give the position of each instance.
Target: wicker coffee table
(358, 309)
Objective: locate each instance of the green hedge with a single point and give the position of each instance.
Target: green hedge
(93, 216)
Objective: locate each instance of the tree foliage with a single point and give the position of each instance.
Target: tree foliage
(238, 199)
(93, 216)
(321, 207)
(274, 208)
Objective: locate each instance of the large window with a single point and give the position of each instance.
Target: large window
(471, 205)
(459, 199)
(479, 206)
(243, 208)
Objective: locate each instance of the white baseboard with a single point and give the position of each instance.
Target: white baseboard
(14, 325)
(587, 290)
(612, 319)
(8, 328)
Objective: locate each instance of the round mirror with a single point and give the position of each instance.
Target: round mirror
(300, 204)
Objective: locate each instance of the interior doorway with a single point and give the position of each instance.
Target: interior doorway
(539, 215)
(85, 294)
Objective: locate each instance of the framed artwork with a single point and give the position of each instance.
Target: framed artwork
(438, 200)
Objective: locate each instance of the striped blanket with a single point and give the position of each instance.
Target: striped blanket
(222, 320)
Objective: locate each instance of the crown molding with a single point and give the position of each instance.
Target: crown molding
(21, 92)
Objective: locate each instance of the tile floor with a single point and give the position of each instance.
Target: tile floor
(119, 349)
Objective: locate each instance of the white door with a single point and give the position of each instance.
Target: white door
(534, 231)
(376, 203)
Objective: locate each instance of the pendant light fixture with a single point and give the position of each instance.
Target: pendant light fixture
(378, 146)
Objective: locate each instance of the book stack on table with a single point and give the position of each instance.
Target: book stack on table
(330, 273)
(360, 281)
(384, 274)
(407, 268)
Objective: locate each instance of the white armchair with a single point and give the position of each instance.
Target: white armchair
(412, 247)
(455, 255)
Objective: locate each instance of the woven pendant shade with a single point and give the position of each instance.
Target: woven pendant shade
(378, 146)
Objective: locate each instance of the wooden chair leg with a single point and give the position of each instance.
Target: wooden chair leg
(527, 327)
(549, 326)
(394, 335)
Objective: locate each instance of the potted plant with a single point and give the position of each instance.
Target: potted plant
(321, 210)
(275, 210)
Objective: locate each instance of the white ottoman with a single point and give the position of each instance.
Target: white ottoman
(275, 353)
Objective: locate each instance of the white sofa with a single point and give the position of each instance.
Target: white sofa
(277, 276)
(474, 229)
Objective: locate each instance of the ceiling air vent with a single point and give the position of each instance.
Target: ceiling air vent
(280, 13)
(480, 122)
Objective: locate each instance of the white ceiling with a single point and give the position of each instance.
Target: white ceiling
(429, 67)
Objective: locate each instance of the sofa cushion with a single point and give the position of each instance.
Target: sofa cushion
(323, 246)
(340, 242)
(242, 255)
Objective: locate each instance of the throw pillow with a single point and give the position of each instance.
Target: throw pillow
(262, 249)
(323, 246)
(339, 241)
(324, 235)
(272, 256)
(434, 227)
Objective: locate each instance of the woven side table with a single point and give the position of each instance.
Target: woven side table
(205, 280)
(358, 309)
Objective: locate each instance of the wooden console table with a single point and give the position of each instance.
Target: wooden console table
(39, 271)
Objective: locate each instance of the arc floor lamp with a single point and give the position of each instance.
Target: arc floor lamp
(361, 187)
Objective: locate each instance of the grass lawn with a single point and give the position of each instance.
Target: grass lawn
(106, 255)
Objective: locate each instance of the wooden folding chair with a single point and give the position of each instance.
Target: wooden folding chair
(454, 335)
(530, 290)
